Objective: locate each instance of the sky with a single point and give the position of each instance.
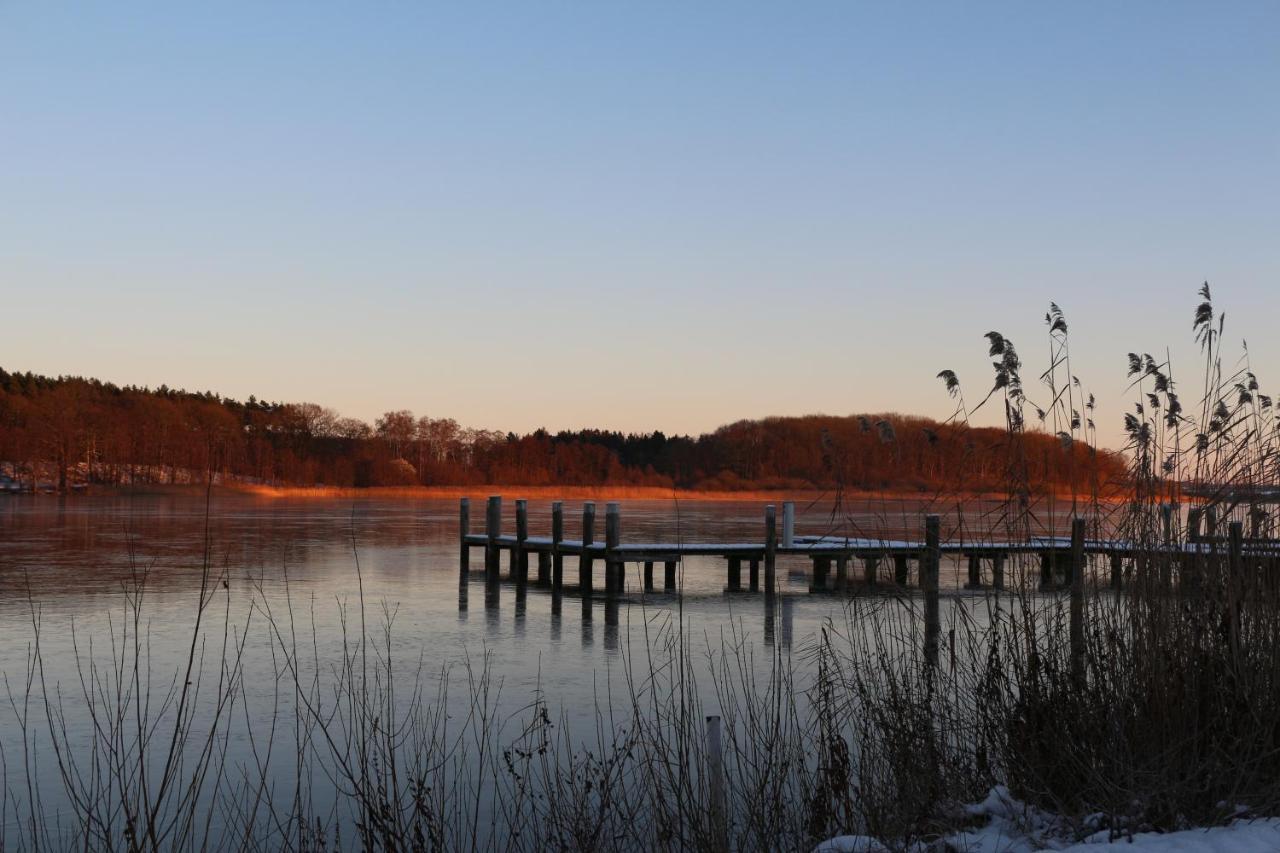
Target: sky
(633, 216)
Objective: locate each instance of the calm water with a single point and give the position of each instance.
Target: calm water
(65, 565)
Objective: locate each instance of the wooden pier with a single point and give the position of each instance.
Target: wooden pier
(835, 560)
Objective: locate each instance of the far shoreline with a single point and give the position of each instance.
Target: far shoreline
(568, 492)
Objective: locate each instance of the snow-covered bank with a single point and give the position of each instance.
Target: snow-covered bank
(1013, 827)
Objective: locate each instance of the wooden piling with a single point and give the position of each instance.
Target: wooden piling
(648, 575)
(613, 570)
(788, 524)
(464, 529)
(901, 570)
(557, 536)
(929, 568)
(669, 575)
(715, 786)
(735, 573)
(1235, 560)
(588, 538)
(975, 571)
(842, 573)
(997, 570)
(1193, 524)
(544, 568)
(519, 557)
(821, 568)
(871, 569)
(1117, 570)
(1046, 570)
(492, 530)
(771, 547)
(755, 574)
(1077, 600)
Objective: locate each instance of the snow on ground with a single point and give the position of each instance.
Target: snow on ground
(1013, 827)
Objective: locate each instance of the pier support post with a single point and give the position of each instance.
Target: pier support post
(997, 570)
(1077, 600)
(544, 568)
(519, 557)
(1193, 524)
(771, 548)
(755, 574)
(1117, 567)
(929, 567)
(842, 573)
(648, 575)
(821, 568)
(557, 536)
(975, 571)
(669, 575)
(871, 570)
(788, 524)
(613, 569)
(1046, 569)
(901, 570)
(492, 530)
(735, 574)
(464, 530)
(585, 559)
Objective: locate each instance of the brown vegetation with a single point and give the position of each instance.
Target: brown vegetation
(69, 430)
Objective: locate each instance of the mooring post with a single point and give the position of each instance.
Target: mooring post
(901, 570)
(464, 530)
(492, 530)
(929, 568)
(1077, 600)
(771, 547)
(669, 575)
(788, 524)
(519, 559)
(715, 785)
(648, 575)
(557, 536)
(613, 576)
(997, 570)
(588, 538)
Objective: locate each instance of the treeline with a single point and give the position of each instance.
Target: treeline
(67, 431)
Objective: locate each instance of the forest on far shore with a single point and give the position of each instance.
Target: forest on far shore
(68, 431)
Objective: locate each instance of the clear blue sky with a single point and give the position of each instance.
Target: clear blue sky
(629, 215)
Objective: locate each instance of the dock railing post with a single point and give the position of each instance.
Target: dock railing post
(557, 536)
(788, 524)
(492, 530)
(1077, 600)
(585, 559)
(612, 538)
(464, 530)
(771, 546)
(715, 786)
(929, 568)
(519, 558)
